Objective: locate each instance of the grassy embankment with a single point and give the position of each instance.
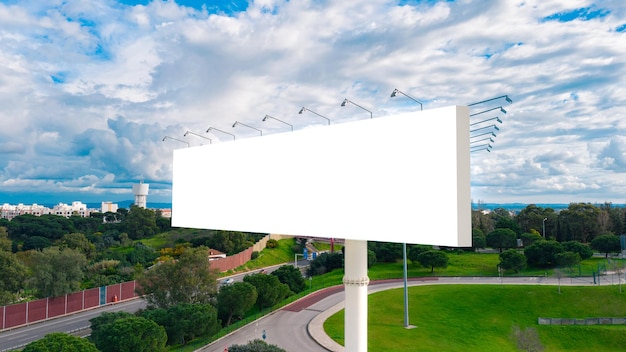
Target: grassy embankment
(482, 317)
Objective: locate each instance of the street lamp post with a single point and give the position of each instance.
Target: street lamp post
(295, 259)
(271, 117)
(309, 110)
(195, 134)
(544, 227)
(243, 124)
(396, 91)
(213, 128)
(175, 139)
(346, 101)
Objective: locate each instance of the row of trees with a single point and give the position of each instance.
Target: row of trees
(580, 222)
(190, 280)
(46, 256)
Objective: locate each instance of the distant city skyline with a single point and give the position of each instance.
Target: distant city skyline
(90, 90)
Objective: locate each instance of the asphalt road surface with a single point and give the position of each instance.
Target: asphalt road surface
(19, 337)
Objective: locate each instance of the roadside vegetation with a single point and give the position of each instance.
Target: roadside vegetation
(111, 248)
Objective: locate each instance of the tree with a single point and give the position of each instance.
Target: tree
(531, 218)
(184, 322)
(504, 219)
(269, 289)
(79, 242)
(235, 300)
(567, 259)
(501, 238)
(186, 280)
(386, 252)
(324, 263)
(60, 342)
(528, 238)
(416, 250)
(57, 271)
(140, 223)
(578, 222)
(255, 346)
(583, 250)
(606, 244)
(12, 278)
(36, 242)
(291, 276)
(49, 226)
(105, 318)
(433, 259)
(478, 239)
(543, 253)
(5, 242)
(512, 259)
(371, 258)
(132, 334)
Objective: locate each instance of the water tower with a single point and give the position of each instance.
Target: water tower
(141, 194)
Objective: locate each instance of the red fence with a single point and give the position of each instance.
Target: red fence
(34, 311)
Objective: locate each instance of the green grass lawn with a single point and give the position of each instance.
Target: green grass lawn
(476, 264)
(481, 318)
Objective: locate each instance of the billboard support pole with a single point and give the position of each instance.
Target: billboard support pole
(355, 281)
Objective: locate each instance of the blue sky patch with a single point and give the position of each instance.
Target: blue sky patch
(228, 7)
(583, 13)
(621, 28)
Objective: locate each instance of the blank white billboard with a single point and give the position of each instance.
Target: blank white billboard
(399, 178)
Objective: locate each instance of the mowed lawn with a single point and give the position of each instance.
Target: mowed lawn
(482, 317)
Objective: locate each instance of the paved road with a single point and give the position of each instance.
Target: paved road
(22, 336)
(299, 326)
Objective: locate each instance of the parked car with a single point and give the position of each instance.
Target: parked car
(228, 281)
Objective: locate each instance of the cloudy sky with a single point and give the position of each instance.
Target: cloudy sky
(89, 88)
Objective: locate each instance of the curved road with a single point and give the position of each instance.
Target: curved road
(298, 326)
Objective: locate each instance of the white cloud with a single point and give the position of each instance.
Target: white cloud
(91, 88)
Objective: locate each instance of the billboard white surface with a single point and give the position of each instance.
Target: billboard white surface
(399, 178)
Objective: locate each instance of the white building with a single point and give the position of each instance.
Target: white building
(77, 208)
(108, 207)
(8, 211)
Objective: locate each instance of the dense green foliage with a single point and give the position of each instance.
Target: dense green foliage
(501, 238)
(184, 322)
(269, 289)
(255, 346)
(234, 300)
(543, 254)
(433, 259)
(606, 244)
(131, 334)
(288, 274)
(60, 342)
(57, 271)
(186, 280)
(512, 260)
(324, 263)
